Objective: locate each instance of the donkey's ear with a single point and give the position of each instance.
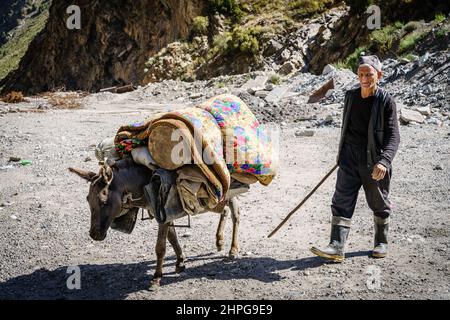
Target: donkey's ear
(86, 175)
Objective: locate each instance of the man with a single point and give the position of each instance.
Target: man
(368, 144)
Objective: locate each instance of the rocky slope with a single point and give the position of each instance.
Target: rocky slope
(111, 47)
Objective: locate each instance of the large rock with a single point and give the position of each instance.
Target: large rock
(287, 68)
(426, 111)
(320, 93)
(273, 47)
(285, 55)
(256, 84)
(407, 116)
(276, 94)
(327, 69)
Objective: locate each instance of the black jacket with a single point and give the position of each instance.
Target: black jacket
(383, 133)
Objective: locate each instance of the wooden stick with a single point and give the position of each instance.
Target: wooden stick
(303, 201)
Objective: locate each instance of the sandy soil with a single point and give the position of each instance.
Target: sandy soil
(44, 221)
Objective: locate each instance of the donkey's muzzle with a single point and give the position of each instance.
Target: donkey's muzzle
(97, 236)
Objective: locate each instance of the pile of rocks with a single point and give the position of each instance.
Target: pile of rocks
(421, 86)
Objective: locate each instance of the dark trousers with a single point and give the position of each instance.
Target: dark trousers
(352, 173)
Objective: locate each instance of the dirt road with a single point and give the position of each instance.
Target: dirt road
(44, 221)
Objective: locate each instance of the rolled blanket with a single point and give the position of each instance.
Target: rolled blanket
(247, 143)
(206, 144)
(164, 148)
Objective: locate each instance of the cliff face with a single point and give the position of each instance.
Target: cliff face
(111, 48)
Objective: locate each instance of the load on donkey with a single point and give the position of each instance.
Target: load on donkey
(180, 163)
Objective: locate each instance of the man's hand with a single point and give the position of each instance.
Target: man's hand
(379, 171)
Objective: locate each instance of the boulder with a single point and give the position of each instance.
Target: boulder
(408, 116)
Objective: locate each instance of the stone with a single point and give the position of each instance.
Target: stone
(285, 55)
(329, 118)
(327, 69)
(304, 133)
(273, 47)
(320, 93)
(196, 95)
(261, 94)
(256, 84)
(286, 68)
(408, 116)
(426, 111)
(434, 121)
(276, 94)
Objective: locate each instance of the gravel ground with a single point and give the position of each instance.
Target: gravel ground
(44, 221)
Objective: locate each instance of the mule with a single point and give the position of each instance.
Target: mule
(119, 186)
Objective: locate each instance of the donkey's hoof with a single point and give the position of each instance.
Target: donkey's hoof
(232, 255)
(155, 284)
(180, 268)
(219, 247)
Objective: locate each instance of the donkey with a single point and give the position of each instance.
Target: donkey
(119, 186)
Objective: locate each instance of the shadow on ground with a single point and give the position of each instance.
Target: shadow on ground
(117, 281)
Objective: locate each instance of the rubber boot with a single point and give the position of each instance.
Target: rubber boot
(381, 241)
(340, 227)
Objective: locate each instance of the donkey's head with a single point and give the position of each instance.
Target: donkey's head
(105, 197)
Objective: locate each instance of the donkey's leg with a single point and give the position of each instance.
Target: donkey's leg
(160, 250)
(173, 239)
(235, 215)
(221, 227)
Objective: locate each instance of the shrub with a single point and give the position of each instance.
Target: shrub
(275, 78)
(410, 41)
(351, 62)
(441, 33)
(241, 39)
(309, 7)
(229, 7)
(439, 17)
(245, 40)
(382, 39)
(200, 25)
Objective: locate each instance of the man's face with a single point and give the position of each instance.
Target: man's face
(368, 76)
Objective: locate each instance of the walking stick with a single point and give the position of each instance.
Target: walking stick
(303, 201)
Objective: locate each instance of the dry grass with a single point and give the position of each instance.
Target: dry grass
(13, 97)
(64, 100)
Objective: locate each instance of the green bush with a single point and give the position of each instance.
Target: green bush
(229, 7)
(358, 6)
(382, 39)
(245, 40)
(221, 43)
(200, 25)
(410, 41)
(439, 17)
(309, 7)
(275, 78)
(351, 62)
(441, 33)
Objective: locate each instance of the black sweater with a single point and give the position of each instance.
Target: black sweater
(383, 136)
